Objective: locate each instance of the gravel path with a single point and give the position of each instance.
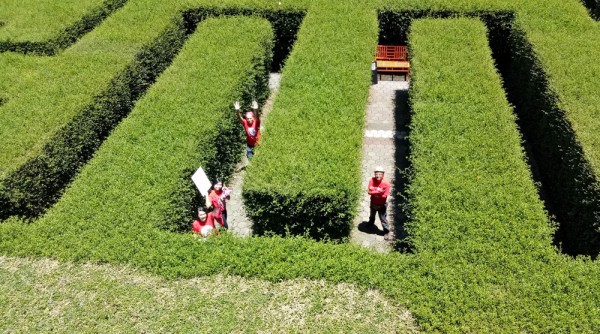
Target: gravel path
(239, 224)
(384, 143)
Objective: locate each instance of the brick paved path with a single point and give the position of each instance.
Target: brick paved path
(384, 144)
(239, 224)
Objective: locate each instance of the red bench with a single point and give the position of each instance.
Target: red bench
(392, 59)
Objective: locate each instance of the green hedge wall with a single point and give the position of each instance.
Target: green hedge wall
(38, 183)
(473, 201)
(140, 175)
(571, 186)
(477, 275)
(304, 177)
(68, 35)
(59, 113)
(470, 181)
(35, 185)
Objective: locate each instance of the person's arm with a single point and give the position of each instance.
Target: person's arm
(386, 190)
(214, 199)
(372, 189)
(196, 227)
(237, 107)
(210, 220)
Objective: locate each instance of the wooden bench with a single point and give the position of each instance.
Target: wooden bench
(392, 59)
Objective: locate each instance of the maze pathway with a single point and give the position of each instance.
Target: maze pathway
(383, 137)
(239, 223)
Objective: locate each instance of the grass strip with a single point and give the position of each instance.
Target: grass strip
(43, 295)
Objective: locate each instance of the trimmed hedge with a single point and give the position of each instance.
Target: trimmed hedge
(475, 209)
(33, 184)
(36, 184)
(571, 187)
(141, 174)
(305, 175)
(67, 36)
(470, 182)
(452, 283)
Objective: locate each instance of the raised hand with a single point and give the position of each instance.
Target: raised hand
(254, 104)
(236, 105)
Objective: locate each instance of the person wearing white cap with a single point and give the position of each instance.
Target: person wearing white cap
(251, 126)
(379, 189)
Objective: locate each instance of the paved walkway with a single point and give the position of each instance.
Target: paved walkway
(239, 223)
(385, 144)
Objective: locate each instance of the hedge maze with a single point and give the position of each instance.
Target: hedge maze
(107, 107)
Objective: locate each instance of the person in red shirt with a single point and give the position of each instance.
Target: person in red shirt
(251, 126)
(379, 189)
(204, 225)
(218, 197)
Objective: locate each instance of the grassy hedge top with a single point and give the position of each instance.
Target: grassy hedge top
(470, 181)
(126, 29)
(313, 137)
(565, 41)
(56, 89)
(475, 208)
(40, 20)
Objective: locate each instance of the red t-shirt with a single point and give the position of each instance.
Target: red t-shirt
(379, 196)
(252, 131)
(197, 225)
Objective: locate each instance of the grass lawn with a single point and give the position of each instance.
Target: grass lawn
(46, 295)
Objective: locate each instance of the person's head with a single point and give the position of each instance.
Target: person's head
(202, 213)
(379, 171)
(218, 184)
(250, 117)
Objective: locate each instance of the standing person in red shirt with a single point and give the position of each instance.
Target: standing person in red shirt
(379, 189)
(251, 126)
(218, 197)
(204, 225)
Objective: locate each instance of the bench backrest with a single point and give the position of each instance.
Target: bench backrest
(391, 52)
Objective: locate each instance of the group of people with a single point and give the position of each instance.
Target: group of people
(209, 221)
(214, 216)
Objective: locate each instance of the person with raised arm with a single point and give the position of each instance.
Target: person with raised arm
(218, 197)
(251, 125)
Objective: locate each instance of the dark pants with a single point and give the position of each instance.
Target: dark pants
(224, 215)
(249, 151)
(381, 209)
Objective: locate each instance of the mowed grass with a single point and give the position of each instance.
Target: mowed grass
(46, 295)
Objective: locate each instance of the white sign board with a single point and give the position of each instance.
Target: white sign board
(201, 181)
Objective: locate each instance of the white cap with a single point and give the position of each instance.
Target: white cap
(379, 169)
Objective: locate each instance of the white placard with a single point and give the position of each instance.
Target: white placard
(201, 181)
